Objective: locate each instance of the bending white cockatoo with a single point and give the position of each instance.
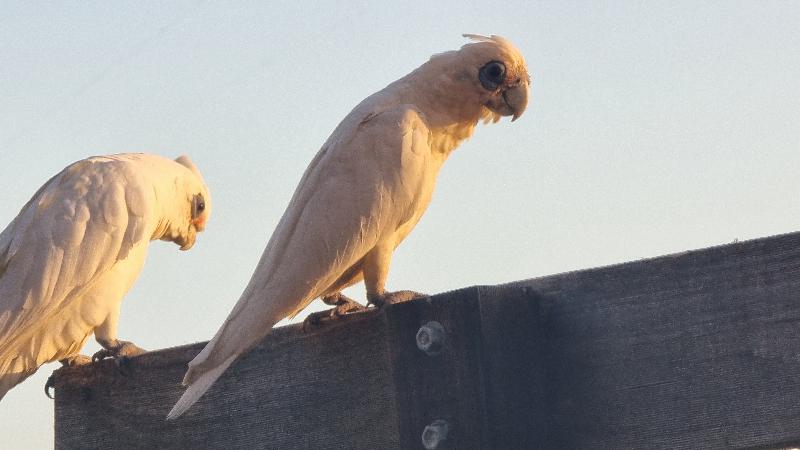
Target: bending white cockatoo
(364, 192)
(76, 248)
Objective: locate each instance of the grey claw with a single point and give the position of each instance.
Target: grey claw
(50, 384)
(100, 355)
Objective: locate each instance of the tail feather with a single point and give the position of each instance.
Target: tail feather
(8, 381)
(11, 379)
(197, 388)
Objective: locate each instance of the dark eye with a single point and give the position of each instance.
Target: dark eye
(198, 205)
(492, 75)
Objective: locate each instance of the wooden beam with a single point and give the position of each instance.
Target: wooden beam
(696, 350)
(361, 382)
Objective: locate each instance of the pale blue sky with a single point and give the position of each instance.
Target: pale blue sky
(654, 127)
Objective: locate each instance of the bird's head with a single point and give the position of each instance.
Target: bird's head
(194, 208)
(498, 74)
(483, 80)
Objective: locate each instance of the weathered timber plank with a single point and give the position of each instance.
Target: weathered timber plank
(294, 390)
(444, 386)
(513, 368)
(487, 380)
(359, 383)
(696, 350)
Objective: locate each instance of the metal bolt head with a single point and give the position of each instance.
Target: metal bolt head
(434, 434)
(430, 338)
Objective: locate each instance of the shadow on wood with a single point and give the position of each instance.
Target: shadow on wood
(695, 350)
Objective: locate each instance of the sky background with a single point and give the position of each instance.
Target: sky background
(654, 127)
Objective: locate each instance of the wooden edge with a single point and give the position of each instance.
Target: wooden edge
(89, 374)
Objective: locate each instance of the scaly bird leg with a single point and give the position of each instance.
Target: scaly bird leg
(70, 361)
(106, 336)
(343, 305)
(376, 270)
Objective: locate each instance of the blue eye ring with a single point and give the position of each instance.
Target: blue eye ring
(492, 75)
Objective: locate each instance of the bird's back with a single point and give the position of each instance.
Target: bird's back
(70, 254)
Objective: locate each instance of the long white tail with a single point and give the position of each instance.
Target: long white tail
(13, 371)
(198, 388)
(9, 380)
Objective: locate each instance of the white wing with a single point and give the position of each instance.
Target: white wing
(76, 227)
(360, 188)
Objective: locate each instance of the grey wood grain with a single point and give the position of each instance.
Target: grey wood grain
(446, 386)
(296, 390)
(695, 350)
(513, 368)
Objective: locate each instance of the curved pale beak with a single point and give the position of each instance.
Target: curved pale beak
(516, 98)
(186, 242)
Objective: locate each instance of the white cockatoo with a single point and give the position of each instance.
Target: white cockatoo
(76, 248)
(362, 194)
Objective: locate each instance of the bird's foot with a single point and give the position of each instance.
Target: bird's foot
(388, 298)
(117, 349)
(343, 306)
(121, 351)
(76, 360)
(70, 361)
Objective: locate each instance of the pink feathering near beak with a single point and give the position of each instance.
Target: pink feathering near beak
(199, 223)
